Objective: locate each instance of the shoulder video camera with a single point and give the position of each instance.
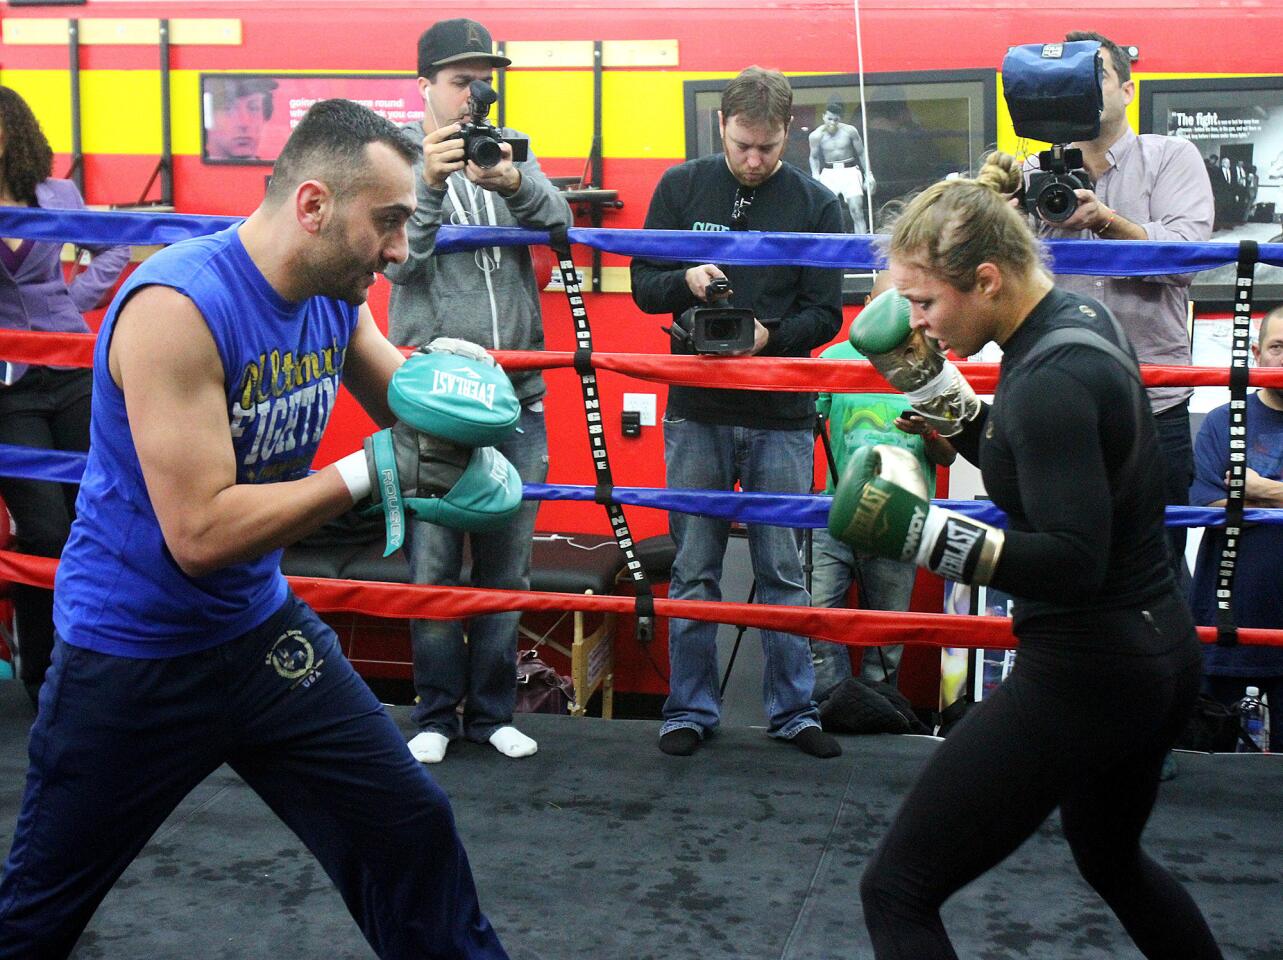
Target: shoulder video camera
(480, 137)
(1053, 93)
(716, 328)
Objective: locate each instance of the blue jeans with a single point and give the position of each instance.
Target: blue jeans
(884, 585)
(481, 671)
(704, 456)
(118, 743)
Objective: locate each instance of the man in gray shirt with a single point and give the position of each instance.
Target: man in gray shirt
(489, 297)
(1148, 187)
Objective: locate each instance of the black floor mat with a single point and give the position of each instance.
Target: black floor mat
(602, 847)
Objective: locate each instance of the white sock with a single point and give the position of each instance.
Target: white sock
(429, 747)
(511, 742)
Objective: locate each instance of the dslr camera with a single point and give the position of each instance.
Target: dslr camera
(1049, 194)
(481, 137)
(1053, 93)
(716, 328)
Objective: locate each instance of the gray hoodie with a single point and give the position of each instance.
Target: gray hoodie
(447, 295)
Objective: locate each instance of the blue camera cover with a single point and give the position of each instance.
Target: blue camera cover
(1053, 90)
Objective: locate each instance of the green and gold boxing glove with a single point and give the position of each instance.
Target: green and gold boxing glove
(911, 362)
(880, 506)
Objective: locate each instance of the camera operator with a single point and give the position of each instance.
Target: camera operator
(714, 437)
(490, 297)
(1147, 187)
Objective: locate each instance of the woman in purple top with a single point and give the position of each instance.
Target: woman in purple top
(41, 406)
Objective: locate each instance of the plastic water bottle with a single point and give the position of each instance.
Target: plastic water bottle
(1251, 715)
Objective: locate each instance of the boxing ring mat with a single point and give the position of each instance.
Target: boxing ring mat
(601, 847)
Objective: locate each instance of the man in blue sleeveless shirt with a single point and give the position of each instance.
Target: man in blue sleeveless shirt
(180, 646)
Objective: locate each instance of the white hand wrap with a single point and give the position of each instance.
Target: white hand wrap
(356, 474)
(946, 401)
(460, 348)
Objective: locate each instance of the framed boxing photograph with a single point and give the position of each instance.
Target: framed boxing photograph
(895, 134)
(247, 117)
(1237, 125)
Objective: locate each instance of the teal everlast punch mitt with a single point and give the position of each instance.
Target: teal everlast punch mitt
(452, 403)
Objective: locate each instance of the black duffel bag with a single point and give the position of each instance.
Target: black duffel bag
(1212, 728)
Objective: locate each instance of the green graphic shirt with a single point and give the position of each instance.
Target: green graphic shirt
(867, 419)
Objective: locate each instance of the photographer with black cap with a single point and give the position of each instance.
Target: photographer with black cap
(489, 297)
(1147, 187)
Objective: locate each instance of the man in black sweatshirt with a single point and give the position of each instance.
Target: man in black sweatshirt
(764, 440)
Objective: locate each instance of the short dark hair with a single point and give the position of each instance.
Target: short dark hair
(329, 145)
(1117, 55)
(1270, 317)
(834, 108)
(759, 96)
(28, 158)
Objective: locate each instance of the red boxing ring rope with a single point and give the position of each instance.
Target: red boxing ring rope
(837, 624)
(745, 373)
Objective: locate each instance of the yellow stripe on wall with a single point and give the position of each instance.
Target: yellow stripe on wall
(120, 112)
(119, 109)
(48, 93)
(642, 111)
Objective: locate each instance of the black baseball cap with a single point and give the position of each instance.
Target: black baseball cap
(449, 41)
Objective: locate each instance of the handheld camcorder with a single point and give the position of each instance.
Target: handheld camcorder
(716, 328)
(480, 137)
(1053, 93)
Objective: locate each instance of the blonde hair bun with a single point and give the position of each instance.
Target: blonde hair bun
(1001, 172)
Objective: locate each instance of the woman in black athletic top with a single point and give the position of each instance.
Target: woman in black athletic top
(1109, 664)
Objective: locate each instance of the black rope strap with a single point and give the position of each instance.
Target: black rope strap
(604, 492)
(1244, 287)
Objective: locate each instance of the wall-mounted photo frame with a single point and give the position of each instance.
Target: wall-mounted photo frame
(1237, 125)
(920, 125)
(247, 117)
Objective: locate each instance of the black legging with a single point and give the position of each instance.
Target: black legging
(1081, 729)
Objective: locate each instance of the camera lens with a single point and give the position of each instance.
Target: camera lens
(1057, 202)
(721, 329)
(485, 152)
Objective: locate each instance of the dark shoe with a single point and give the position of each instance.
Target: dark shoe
(681, 742)
(1169, 767)
(817, 743)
